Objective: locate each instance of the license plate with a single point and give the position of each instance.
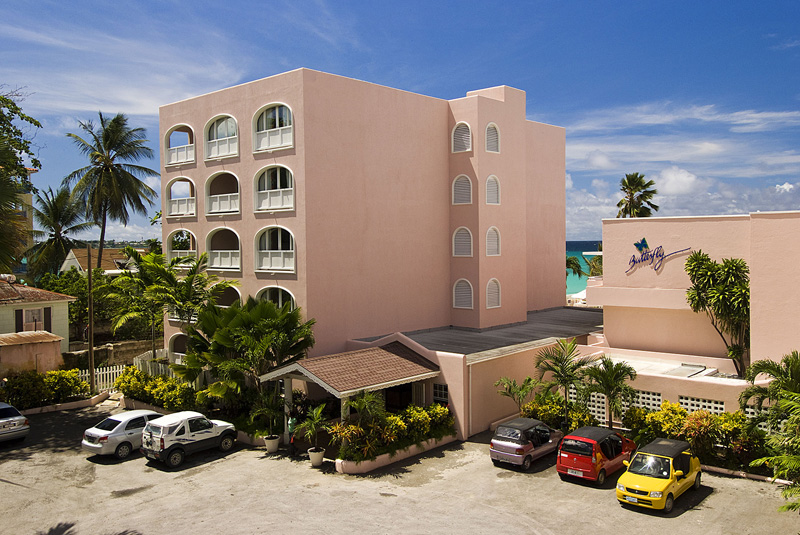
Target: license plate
(632, 499)
(572, 472)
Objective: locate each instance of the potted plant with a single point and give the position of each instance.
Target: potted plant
(269, 405)
(310, 428)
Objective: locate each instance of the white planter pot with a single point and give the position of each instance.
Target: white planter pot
(316, 456)
(272, 442)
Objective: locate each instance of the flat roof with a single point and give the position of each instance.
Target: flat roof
(563, 322)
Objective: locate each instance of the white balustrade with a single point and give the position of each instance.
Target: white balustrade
(182, 154)
(276, 260)
(224, 259)
(227, 202)
(275, 199)
(227, 146)
(274, 138)
(183, 206)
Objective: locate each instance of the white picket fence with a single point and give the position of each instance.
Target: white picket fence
(104, 376)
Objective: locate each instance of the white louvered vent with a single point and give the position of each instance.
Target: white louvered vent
(696, 404)
(493, 294)
(492, 190)
(492, 139)
(462, 243)
(462, 138)
(462, 190)
(493, 242)
(462, 294)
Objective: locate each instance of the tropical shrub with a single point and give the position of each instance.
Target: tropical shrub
(549, 408)
(169, 393)
(667, 422)
(701, 429)
(65, 385)
(25, 390)
(418, 422)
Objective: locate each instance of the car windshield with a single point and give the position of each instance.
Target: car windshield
(109, 424)
(650, 465)
(8, 412)
(508, 433)
(578, 447)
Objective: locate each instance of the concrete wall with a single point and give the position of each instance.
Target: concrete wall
(42, 357)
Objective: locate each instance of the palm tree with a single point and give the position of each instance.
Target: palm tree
(785, 377)
(12, 223)
(111, 184)
(59, 216)
(518, 392)
(637, 199)
(574, 265)
(609, 378)
(566, 367)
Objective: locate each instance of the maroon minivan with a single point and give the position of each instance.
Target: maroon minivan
(593, 453)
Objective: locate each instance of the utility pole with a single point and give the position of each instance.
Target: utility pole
(91, 321)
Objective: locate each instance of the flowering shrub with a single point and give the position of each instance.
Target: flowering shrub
(30, 389)
(549, 408)
(418, 422)
(65, 385)
(668, 422)
(169, 393)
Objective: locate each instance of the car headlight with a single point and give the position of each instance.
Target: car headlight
(656, 494)
(620, 486)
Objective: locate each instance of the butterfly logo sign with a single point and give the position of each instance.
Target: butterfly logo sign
(641, 246)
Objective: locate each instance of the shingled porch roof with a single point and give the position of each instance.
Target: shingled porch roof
(374, 368)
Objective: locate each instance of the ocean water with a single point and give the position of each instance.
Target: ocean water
(575, 248)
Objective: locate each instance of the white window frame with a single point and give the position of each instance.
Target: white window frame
(441, 394)
(235, 255)
(490, 229)
(486, 140)
(471, 243)
(181, 154)
(471, 295)
(284, 133)
(233, 288)
(184, 252)
(232, 199)
(282, 193)
(189, 202)
(286, 255)
(261, 292)
(230, 140)
(497, 181)
(453, 190)
(453, 138)
(499, 294)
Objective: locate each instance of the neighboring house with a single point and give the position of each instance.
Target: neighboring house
(374, 209)
(23, 308)
(31, 350)
(113, 262)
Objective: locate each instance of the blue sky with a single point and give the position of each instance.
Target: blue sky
(702, 97)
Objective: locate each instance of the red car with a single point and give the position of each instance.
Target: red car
(593, 453)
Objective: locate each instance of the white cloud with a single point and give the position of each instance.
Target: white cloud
(597, 159)
(118, 231)
(568, 181)
(677, 181)
(784, 188)
(600, 187)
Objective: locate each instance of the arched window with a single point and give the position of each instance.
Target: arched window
(493, 294)
(493, 242)
(462, 138)
(177, 344)
(223, 194)
(222, 138)
(223, 248)
(274, 189)
(462, 190)
(462, 242)
(492, 190)
(180, 197)
(273, 128)
(180, 145)
(228, 296)
(492, 138)
(462, 294)
(275, 250)
(277, 295)
(181, 243)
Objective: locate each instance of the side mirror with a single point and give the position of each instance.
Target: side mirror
(678, 473)
(626, 463)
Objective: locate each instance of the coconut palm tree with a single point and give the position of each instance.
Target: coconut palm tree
(637, 196)
(785, 377)
(111, 185)
(609, 378)
(12, 223)
(59, 216)
(518, 392)
(574, 265)
(566, 367)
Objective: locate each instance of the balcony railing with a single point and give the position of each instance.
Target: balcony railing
(224, 259)
(274, 139)
(182, 154)
(181, 206)
(276, 260)
(275, 199)
(181, 253)
(227, 146)
(227, 202)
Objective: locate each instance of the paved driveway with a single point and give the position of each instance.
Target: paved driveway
(49, 486)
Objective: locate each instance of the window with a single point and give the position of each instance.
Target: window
(222, 138)
(275, 250)
(273, 128)
(493, 242)
(462, 138)
(223, 249)
(223, 194)
(33, 319)
(462, 294)
(462, 242)
(181, 243)
(180, 197)
(136, 423)
(199, 424)
(492, 138)
(492, 190)
(180, 145)
(462, 190)
(274, 189)
(277, 295)
(440, 394)
(493, 294)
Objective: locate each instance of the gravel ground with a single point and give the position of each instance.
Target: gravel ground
(49, 486)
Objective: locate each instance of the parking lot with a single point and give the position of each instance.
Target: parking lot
(49, 486)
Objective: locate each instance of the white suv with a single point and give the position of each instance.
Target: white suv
(174, 436)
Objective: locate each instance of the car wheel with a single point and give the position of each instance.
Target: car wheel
(668, 504)
(697, 481)
(122, 451)
(175, 459)
(601, 478)
(526, 463)
(226, 444)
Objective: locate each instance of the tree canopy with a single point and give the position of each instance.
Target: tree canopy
(637, 200)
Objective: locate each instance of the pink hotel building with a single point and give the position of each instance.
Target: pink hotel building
(376, 210)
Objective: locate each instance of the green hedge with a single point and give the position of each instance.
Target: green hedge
(160, 391)
(549, 408)
(28, 389)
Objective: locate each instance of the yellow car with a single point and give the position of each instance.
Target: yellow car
(658, 474)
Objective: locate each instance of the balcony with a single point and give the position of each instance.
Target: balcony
(224, 260)
(275, 199)
(182, 253)
(182, 154)
(179, 207)
(219, 148)
(224, 203)
(275, 138)
(275, 261)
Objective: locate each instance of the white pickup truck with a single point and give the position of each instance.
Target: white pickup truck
(172, 437)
